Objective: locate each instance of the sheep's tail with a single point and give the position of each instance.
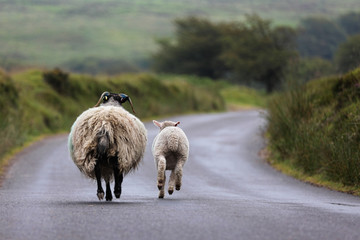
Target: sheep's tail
(173, 142)
(103, 143)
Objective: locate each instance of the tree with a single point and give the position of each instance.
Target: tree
(319, 37)
(305, 69)
(350, 22)
(57, 79)
(257, 52)
(248, 52)
(347, 56)
(195, 51)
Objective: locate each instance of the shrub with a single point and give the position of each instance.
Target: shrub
(57, 79)
(317, 127)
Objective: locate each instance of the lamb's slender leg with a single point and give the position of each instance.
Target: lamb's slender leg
(171, 182)
(161, 167)
(108, 195)
(118, 181)
(162, 189)
(100, 191)
(178, 173)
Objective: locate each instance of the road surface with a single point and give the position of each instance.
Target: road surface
(228, 192)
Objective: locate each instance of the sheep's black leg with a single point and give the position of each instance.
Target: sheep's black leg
(100, 191)
(108, 195)
(118, 181)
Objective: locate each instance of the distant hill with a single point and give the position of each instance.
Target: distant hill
(64, 33)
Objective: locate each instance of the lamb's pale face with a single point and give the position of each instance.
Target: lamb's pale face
(165, 124)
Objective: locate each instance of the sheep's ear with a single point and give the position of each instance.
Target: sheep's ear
(177, 124)
(156, 123)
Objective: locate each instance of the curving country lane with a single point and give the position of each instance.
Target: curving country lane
(228, 192)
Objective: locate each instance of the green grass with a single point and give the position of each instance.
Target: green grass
(52, 33)
(239, 97)
(236, 97)
(320, 179)
(315, 130)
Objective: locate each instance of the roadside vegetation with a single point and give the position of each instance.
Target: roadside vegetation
(314, 131)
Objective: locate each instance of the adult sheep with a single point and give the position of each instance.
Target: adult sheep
(107, 142)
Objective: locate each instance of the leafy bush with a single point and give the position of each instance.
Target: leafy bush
(10, 126)
(317, 127)
(306, 69)
(57, 79)
(319, 37)
(347, 56)
(350, 22)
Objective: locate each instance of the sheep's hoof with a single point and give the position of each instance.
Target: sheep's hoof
(171, 191)
(100, 195)
(161, 195)
(108, 197)
(177, 187)
(117, 191)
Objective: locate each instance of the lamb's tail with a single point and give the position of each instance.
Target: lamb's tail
(173, 142)
(103, 143)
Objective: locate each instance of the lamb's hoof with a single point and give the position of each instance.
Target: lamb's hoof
(177, 187)
(170, 191)
(160, 184)
(161, 195)
(100, 195)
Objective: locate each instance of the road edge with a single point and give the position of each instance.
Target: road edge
(318, 180)
(10, 158)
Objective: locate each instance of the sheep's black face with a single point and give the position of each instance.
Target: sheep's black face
(114, 99)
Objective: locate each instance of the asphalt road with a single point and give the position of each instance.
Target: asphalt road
(228, 192)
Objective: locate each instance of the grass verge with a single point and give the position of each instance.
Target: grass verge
(319, 180)
(240, 97)
(314, 130)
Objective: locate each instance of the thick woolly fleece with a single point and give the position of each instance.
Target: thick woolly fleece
(127, 139)
(172, 143)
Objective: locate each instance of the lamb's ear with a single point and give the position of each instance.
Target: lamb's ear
(156, 123)
(177, 124)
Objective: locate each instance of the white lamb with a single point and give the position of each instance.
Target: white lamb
(170, 150)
